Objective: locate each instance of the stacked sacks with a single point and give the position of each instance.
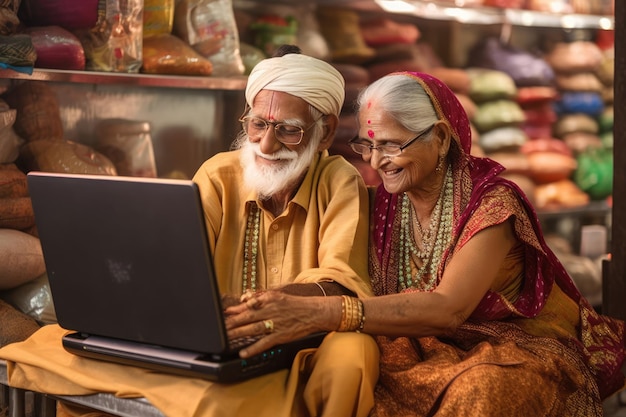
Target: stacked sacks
(543, 159)
(395, 45)
(36, 142)
(546, 161)
(379, 44)
(39, 123)
(340, 28)
(537, 103)
(582, 105)
(497, 115)
(498, 118)
(20, 250)
(21, 258)
(580, 102)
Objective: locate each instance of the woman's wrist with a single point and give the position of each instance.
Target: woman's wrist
(352, 315)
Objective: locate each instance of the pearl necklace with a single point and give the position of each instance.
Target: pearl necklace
(434, 240)
(251, 249)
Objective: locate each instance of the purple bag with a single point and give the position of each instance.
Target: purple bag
(525, 68)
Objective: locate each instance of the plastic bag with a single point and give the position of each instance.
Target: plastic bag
(65, 156)
(57, 48)
(114, 44)
(167, 54)
(158, 17)
(128, 144)
(209, 27)
(33, 299)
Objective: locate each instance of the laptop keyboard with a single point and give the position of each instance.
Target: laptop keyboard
(241, 342)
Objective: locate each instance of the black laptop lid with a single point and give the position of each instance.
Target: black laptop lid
(127, 257)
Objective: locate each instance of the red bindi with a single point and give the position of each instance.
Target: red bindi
(370, 133)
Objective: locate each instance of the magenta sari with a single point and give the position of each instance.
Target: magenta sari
(593, 359)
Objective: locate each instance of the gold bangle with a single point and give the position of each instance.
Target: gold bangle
(352, 315)
(361, 318)
(354, 319)
(345, 308)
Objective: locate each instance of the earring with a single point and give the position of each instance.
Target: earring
(439, 164)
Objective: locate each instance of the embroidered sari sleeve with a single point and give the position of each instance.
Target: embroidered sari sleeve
(497, 206)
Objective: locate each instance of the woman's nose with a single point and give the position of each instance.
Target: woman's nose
(375, 158)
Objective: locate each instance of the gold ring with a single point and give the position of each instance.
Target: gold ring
(253, 303)
(269, 326)
(246, 296)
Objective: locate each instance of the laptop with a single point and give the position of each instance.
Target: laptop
(132, 277)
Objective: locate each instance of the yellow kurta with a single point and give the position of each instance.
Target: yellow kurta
(322, 235)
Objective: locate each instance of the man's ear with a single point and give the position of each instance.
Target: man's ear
(331, 122)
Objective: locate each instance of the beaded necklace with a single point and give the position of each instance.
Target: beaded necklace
(251, 249)
(434, 240)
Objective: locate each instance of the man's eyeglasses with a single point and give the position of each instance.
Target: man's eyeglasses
(388, 151)
(285, 133)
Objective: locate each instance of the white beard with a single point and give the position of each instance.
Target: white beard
(269, 180)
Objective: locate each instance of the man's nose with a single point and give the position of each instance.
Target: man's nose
(268, 143)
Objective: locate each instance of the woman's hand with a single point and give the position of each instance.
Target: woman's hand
(280, 318)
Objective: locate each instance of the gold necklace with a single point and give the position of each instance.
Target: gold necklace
(251, 249)
(440, 233)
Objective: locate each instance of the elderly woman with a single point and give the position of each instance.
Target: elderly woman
(497, 327)
(474, 314)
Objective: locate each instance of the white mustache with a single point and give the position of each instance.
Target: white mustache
(283, 154)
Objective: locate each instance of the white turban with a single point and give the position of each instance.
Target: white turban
(313, 80)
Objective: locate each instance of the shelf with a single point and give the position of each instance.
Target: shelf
(593, 209)
(422, 8)
(168, 81)
(492, 16)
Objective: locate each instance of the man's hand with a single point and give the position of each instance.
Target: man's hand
(281, 318)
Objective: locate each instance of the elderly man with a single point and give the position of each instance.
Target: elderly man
(283, 215)
(284, 219)
(279, 209)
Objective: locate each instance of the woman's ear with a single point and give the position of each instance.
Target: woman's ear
(444, 136)
(331, 122)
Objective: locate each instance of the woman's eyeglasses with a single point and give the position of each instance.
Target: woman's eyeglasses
(285, 133)
(390, 150)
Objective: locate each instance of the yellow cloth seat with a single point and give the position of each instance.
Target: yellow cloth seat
(344, 375)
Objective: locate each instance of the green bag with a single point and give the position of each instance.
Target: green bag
(594, 174)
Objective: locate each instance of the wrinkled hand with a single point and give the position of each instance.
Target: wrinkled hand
(281, 318)
(229, 300)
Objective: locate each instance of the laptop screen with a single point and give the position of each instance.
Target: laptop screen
(127, 258)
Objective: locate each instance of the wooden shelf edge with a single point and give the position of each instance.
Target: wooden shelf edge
(145, 80)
